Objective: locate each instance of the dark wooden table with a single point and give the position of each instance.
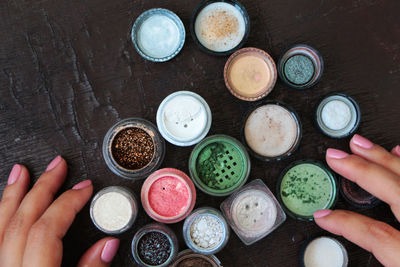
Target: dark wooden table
(69, 72)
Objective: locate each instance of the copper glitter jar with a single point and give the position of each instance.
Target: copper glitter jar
(133, 148)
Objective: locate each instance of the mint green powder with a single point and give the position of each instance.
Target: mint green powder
(306, 188)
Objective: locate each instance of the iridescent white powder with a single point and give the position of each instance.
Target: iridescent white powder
(112, 211)
(336, 115)
(323, 252)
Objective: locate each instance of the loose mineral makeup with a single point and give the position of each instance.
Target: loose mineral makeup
(188, 258)
(133, 148)
(250, 74)
(219, 165)
(300, 66)
(220, 27)
(324, 252)
(184, 118)
(253, 212)
(337, 115)
(272, 131)
(356, 196)
(158, 34)
(306, 186)
(154, 245)
(168, 195)
(113, 210)
(206, 231)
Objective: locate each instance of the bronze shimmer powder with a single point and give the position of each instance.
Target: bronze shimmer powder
(132, 148)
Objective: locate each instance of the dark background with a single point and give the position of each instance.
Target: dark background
(69, 72)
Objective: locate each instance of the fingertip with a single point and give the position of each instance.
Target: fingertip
(322, 213)
(82, 185)
(58, 163)
(110, 250)
(101, 253)
(396, 151)
(332, 153)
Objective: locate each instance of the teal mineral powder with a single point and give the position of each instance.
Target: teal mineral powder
(306, 188)
(299, 69)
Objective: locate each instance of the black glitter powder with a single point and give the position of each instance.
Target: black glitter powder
(154, 248)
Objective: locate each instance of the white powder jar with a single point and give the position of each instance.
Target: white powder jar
(324, 252)
(113, 209)
(184, 118)
(337, 115)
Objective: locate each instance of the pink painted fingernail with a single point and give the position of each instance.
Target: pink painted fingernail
(82, 184)
(362, 142)
(336, 153)
(109, 250)
(14, 174)
(321, 213)
(397, 150)
(53, 163)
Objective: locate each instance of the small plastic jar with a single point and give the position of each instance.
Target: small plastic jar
(188, 258)
(184, 118)
(323, 251)
(306, 186)
(300, 66)
(219, 165)
(133, 148)
(154, 245)
(113, 210)
(233, 30)
(272, 131)
(195, 227)
(168, 195)
(158, 34)
(337, 115)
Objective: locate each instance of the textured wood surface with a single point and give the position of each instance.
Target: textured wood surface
(69, 72)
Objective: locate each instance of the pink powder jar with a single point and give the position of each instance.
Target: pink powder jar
(168, 195)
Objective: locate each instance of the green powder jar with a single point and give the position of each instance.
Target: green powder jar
(219, 165)
(306, 186)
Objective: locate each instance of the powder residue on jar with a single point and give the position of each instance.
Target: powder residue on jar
(132, 148)
(154, 248)
(220, 27)
(254, 212)
(336, 115)
(206, 232)
(271, 130)
(112, 211)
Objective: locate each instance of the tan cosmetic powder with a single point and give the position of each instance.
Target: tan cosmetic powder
(271, 130)
(250, 74)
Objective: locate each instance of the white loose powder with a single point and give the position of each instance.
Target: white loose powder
(336, 115)
(206, 232)
(112, 211)
(184, 117)
(323, 252)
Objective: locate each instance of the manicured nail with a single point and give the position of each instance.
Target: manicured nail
(397, 150)
(53, 163)
(321, 213)
(82, 184)
(336, 153)
(109, 250)
(362, 142)
(14, 174)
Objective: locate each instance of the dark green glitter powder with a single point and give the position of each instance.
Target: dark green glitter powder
(299, 69)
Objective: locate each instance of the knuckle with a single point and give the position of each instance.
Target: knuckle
(40, 229)
(381, 232)
(17, 225)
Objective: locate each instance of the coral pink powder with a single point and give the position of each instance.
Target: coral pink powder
(169, 196)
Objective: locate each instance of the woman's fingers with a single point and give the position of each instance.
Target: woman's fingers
(17, 185)
(396, 151)
(100, 254)
(374, 178)
(32, 207)
(47, 233)
(377, 237)
(375, 153)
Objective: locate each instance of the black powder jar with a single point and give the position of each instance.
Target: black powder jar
(133, 148)
(154, 245)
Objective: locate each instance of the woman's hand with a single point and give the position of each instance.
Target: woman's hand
(33, 224)
(378, 172)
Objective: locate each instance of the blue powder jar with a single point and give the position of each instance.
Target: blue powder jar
(300, 66)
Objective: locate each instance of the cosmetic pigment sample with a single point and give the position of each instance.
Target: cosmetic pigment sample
(194, 262)
(220, 27)
(305, 188)
(132, 148)
(272, 131)
(250, 74)
(299, 69)
(188, 258)
(154, 248)
(325, 252)
(168, 195)
(357, 196)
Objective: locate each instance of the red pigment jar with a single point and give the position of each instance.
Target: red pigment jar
(168, 195)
